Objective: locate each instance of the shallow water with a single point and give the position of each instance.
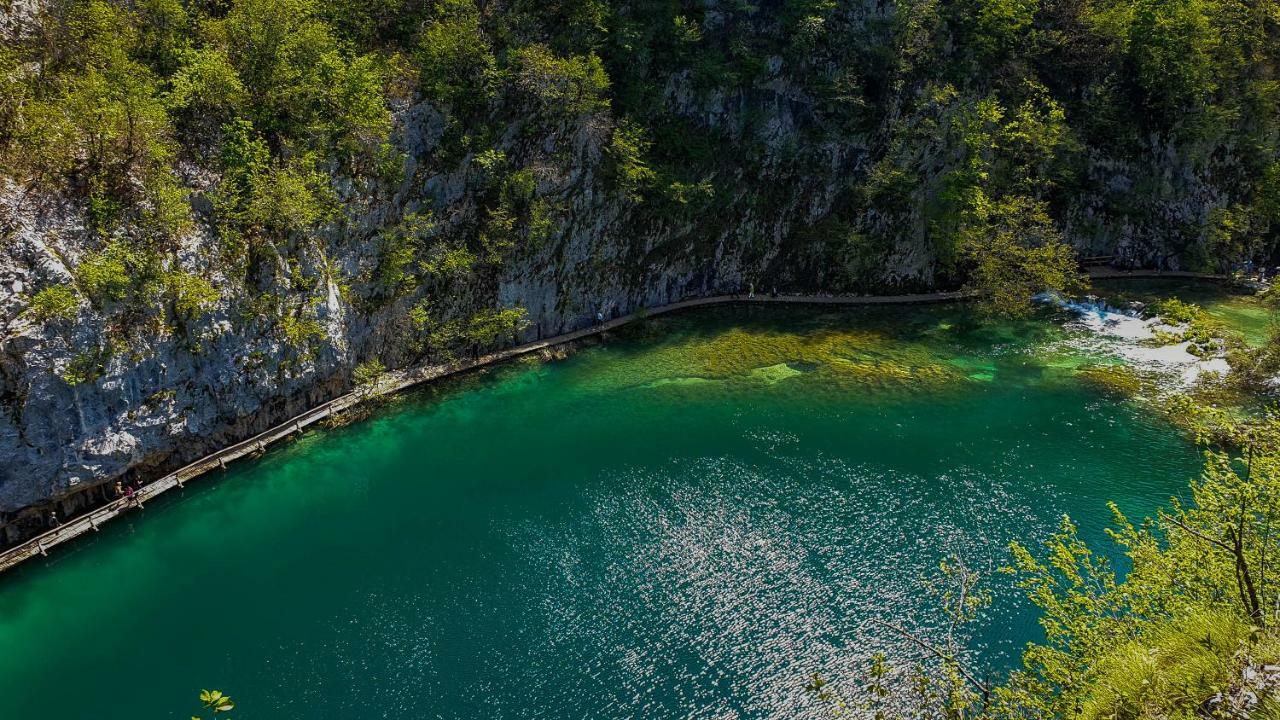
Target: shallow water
(687, 521)
(1241, 312)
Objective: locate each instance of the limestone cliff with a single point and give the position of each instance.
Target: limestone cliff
(769, 179)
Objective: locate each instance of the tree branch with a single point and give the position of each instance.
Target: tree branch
(983, 688)
(1197, 533)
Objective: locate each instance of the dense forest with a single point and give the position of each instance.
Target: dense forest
(976, 127)
(213, 212)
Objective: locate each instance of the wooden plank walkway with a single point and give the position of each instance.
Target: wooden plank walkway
(394, 382)
(1110, 273)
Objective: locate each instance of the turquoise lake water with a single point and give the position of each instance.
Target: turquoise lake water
(684, 521)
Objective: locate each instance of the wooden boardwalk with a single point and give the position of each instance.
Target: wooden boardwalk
(398, 380)
(1110, 273)
(394, 382)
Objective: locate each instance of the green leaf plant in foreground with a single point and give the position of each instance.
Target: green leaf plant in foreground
(215, 701)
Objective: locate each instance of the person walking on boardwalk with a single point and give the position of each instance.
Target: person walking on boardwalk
(599, 317)
(119, 490)
(54, 522)
(131, 498)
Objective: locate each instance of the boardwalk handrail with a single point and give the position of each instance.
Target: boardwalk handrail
(398, 380)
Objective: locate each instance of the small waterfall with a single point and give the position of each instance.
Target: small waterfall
(1133, 338)
(1103, 318)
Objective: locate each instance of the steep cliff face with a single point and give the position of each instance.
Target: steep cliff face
(160, 397)
(813, 167)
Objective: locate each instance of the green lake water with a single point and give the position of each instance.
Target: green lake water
(685, 521)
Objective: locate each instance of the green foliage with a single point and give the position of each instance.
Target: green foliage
(1180, 661)
(1117, 380)
(1231, 236)
(1015, 252)
(88, 365)
(450, 262)
(54, 303)
(1254, 370)
(457, 63)
(166, 214)
(563, 87)
(398, 266)
(190, 294)
(289, 199)
(627, 147)
(1206, 336)
(542, 222)
(1170, 42)
(103, 119)
(111, 274)
(993, 28)
(208, 87)
(300, 332)
(1175, 311)
(518, 189)
(982, 123)
(486, 327)
(497, 235)
(420, 317)
(216, 702)
(368, 372)
(1194, 608)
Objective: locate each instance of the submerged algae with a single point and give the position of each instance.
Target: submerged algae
(845, 359)
(644, 529)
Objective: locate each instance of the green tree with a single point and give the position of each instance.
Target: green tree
(1194, 609)
(367, 373)
(190, 294)
(457, 63)
(1170, 43)
(993, 29)
(1014, 251)
(487, 327)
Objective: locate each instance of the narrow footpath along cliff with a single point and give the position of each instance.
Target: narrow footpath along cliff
(211, 218)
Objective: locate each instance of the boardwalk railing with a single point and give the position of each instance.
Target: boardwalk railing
(394, 382)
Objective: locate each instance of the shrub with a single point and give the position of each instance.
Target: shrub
(107, 276)
(300, 332)
(564, 87)
(627, 148)
(368, 372)
(87, 365)
(56, 302)
(207, 86)
(190, 294)
(488, 326)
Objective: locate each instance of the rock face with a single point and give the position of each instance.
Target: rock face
(776, 210)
